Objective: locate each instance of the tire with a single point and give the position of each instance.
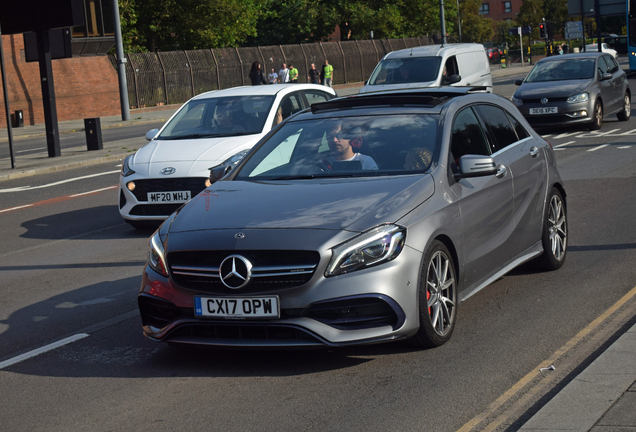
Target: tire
(555, 234)
(597, 119)
(437, 297)
(627, 109)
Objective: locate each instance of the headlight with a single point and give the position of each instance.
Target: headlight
(125, 167)
(516, 101)
(581, 97)
(380, 244)
(157, 255)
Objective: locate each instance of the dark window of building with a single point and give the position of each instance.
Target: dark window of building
(506, 6)
(484, 9)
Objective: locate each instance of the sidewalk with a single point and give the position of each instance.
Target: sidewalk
(601, 398)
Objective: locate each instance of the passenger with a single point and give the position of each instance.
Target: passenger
(342, 151)
(418, 159)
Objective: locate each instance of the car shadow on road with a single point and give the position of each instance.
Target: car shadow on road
(115, 347)
(103, 222)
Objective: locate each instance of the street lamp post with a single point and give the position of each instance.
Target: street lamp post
(442, 21)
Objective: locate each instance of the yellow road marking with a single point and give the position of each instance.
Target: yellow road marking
(535, 372)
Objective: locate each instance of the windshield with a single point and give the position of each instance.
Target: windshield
(217, 117)
(406, 70)
(345, 147)
(562, 70)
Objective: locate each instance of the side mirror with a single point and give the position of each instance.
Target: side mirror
(218, 172)
(454, 79)
(606, 76)
(151, 134)
(518, 82)
(476, 166)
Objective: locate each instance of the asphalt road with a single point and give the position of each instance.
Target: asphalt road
(71, 268)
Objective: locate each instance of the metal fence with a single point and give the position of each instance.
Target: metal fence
(163, 78)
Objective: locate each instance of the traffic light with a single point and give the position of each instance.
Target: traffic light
(542, 30)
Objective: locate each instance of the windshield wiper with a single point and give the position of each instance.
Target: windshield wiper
(190, 136)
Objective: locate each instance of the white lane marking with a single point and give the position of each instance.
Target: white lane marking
(546, 136)
(566, 135)
(564, 144)
(93, 191)
(23, 188)
(631, 132)
(596, 134)
(598, 148)
(16, 208)
(24, 151)
(624, 147)
(42, 350)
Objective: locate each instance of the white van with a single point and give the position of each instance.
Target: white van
(432, 66)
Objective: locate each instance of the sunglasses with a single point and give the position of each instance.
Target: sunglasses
(337, 135)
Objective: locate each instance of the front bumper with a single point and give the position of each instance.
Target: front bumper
(568, 113)
(378, 304)
(134, 205)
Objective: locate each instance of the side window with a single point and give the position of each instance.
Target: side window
(467, 136)
(316, 97)
(611, 63)
(450, 68)
(602, 66)
(521, 131)
(499, 126)
(289, 105)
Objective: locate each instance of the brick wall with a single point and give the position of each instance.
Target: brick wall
(85, 87)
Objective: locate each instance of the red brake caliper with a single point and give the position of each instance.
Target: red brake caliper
(428, 297)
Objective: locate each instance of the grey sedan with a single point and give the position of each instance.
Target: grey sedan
(575, 88)
(361, 220)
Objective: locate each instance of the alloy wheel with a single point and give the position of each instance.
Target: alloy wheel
(558, 228)
(441, 293)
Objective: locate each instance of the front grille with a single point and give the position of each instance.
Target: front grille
(155, 311)
(271, 270)
(193, 184)
(543, 119)
(242, 335)
(154, 209)
(122, 199)
(550, 100)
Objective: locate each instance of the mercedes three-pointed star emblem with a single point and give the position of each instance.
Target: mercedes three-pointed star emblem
(235, 271)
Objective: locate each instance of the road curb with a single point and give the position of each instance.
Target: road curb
(62, 167)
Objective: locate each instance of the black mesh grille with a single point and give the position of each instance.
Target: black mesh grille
(543, 119)
(552, 99)
(154, 209)
(258, 259)
(235, 334)
(193, 184)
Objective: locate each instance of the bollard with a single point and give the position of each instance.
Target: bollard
(93, 134)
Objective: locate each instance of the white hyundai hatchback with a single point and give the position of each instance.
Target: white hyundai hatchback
(210, 129)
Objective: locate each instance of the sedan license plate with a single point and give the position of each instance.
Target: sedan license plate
(169, 197)
(237, 307)
(546, 110)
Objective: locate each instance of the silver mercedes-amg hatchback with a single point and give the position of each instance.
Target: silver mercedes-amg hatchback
(361, 220)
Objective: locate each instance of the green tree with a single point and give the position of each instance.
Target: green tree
(475, 28)
(531, 14)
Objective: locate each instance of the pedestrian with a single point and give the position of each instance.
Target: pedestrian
(560, 49)
(283, 74)
(313, 75)
(327, 72)
(257, 75)
(293, 74)
(273, 77)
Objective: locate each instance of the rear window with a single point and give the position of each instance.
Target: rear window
(406, 70)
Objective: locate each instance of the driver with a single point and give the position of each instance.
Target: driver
(341, 150)
(226, 116)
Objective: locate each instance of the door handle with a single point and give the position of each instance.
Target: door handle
(501, 171)
(534, 151)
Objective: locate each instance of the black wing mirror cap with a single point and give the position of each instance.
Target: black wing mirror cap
(218, 172)
(518, 82)
(454, 79)
(476, 166)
